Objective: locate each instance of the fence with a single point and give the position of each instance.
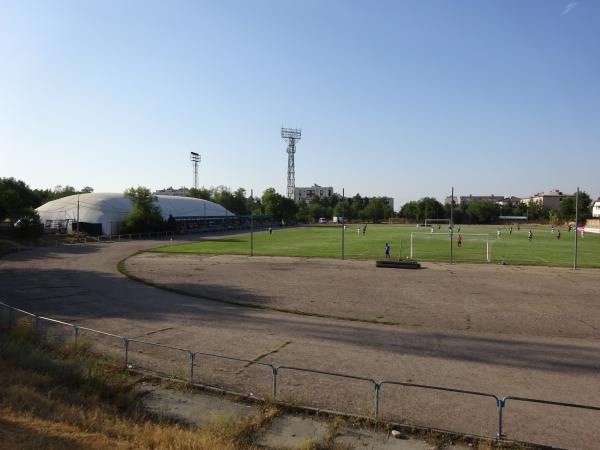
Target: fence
(126, 237)
(183, 364)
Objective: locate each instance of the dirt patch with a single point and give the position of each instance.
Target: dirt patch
(534, 301)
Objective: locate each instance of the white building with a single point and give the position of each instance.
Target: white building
(104, 213)
(596, 209)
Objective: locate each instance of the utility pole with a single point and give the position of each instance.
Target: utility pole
(343, 225)
(251, 223)
(78, 216)
(576, 225)
(451, 222)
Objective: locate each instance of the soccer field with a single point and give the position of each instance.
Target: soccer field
(479, 242)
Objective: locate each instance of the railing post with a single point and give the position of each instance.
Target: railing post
(192, 357)
(275, 370)
(500, 403)
(126, 347)
(376, 406)
(75, 332)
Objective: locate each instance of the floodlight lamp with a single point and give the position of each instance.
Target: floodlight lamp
(291, 133)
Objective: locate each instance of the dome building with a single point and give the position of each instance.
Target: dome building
(104, 213)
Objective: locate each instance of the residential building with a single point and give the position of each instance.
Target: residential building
(512, 201)
(596, 209)
(306, 194)
(549, 199)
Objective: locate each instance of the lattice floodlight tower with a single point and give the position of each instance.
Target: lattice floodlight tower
(195, 158)
(292, 135)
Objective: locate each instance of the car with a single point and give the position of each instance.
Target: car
(322, 220)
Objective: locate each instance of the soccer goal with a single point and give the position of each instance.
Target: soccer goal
(429, 222)
(436, 246)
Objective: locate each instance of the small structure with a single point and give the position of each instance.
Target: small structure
(596, 209)
(510, 201)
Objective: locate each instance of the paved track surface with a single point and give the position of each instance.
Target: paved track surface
(82, 284)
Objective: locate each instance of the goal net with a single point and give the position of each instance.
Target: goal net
(436, 246)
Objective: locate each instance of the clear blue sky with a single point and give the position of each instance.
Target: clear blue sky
(397, 98)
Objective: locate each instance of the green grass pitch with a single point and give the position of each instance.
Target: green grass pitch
(326, 242)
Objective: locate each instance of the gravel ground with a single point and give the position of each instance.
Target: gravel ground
(541, 341)
(512, 300)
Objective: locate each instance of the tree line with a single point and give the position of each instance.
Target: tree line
(285, 209)
(482, 212)
(18, 202)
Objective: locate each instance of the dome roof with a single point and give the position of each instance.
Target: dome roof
(107, 208)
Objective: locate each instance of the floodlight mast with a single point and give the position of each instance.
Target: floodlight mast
(292, 135)
(195, 158)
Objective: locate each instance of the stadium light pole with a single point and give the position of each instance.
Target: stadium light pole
(576, 224)
(451, 221)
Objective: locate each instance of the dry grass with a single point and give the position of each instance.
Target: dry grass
(65, 398)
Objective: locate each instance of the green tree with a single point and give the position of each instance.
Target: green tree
(566, 207)
(282, 209)
(585, 205)
(15, 198)
(410, 210)
(171, 224)
(233, 201)
(536, 211)
(28, 225)
(316, 211)
(203, 193)
(346, 209)
(304, 215)
(145, 215)
(482, 212)
(429, 208)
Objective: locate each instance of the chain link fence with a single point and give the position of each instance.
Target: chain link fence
(413, 404)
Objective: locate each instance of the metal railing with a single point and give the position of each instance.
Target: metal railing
(275, 370)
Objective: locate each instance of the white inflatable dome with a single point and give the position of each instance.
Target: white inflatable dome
(110, 209)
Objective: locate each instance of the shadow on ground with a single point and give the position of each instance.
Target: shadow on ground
(79, 295)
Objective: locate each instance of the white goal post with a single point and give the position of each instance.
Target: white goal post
(481, 237)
